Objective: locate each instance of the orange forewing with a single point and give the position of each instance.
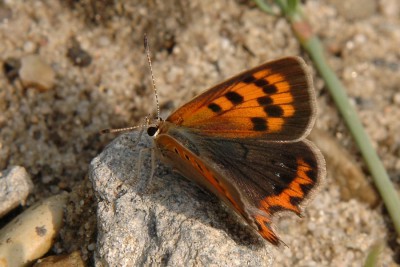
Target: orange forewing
(274, 99)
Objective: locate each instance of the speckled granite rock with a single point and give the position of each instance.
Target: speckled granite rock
(171, 223)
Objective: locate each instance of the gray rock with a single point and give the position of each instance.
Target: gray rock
(15, 186)
(171, 222)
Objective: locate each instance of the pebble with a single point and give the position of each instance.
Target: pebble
(15, 184)
(36, 73)
(77, 55)
(72, 259)
(30, 235)
(11, 67)
(92, 246)
(29, 47)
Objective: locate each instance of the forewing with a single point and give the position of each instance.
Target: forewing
(275, 100)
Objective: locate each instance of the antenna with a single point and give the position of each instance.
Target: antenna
(146, 46)
(126, 129)
(147, 120)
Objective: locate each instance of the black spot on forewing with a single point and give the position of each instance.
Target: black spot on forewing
(234, 97)
(274, 111)
(261, 83)
(270, 89)
(249, 79)
(259, 124)
(215, 108)
(264, 101)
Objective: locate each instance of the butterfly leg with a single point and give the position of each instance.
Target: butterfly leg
(138, 137)
(140, 160)
(145, 125)
(153, 164)
(144, 187)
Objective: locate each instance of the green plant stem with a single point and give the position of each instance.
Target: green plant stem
(265, 7)
(313, 46)
(373, 255)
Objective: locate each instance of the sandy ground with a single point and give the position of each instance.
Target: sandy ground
(195, 44)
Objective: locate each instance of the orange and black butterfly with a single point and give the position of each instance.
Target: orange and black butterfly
(244, 141)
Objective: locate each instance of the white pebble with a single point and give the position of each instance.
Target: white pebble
(30, 235)
(29, 47)
(36, 73)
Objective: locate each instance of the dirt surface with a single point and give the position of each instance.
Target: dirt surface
(102, 80)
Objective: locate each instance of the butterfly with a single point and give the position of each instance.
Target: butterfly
(244, 141)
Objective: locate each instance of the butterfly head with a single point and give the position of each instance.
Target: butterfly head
(153, 128)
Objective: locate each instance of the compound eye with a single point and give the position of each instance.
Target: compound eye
(151, 131)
